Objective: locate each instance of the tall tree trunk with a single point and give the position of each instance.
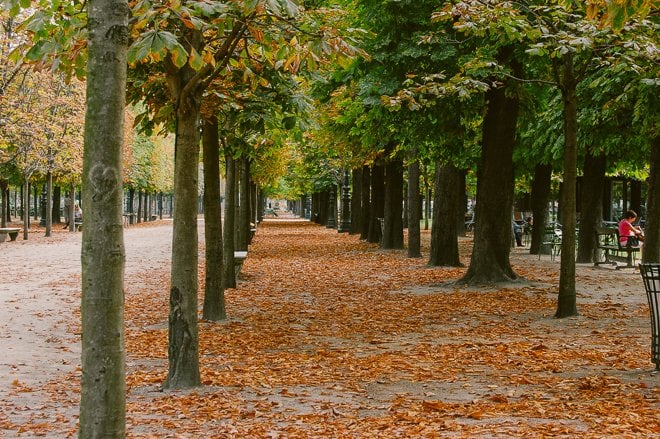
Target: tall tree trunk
(566, 300)
(444, 233)
(377, 207)
(540, 196)
(651, 252)
(103, 393)
(5, 202)
(244, 205)
(131, 204)
(393, 211)
(414, 211)
(492, 237)
(55, 211)
(183, 347)
(356, 202)
(140, 206)
(230, 220)
(365, 202)
(324, 211)
(36, 201)
(49, 204)
(214, 292)
(591, 208)
(26, 207)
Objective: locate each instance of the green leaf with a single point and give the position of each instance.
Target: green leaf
(195, 60)
(155, 45)
(289, 122)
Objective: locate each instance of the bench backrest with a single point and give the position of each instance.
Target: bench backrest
(605, 235)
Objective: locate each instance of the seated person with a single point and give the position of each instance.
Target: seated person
(630, 235)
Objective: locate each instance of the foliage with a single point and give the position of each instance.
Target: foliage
(42, 125)
(152, 164)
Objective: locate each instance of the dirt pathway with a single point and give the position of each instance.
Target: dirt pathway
(39, 316)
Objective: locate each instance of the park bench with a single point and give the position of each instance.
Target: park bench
(11, 231)
(239, 258)
(607, 241)
(551, 242)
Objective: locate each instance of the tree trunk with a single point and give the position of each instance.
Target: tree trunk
(183, 355)
(393, 209)
(139, 210)
(651, 251)
(492, 237)
(591, 208)
(444, 233)
(324, 211)
(26, 207)
(244, 205)
(414, 212)
(55, 211)
(566, 300)
(377, 202)
(5, 202)
(36, 202)
(230, 220)
(540, 196)
(103, 393)
(365, 202)
(356, 202)
(131, 204)
(49, 204)
(214, 292)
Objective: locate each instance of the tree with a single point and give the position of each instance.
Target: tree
(214, 301)
(103, 396)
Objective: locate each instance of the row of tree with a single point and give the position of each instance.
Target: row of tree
(504, 91)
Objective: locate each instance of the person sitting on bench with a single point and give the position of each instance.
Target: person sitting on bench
(629, 235)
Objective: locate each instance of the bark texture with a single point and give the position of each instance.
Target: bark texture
(214, 291)
(492, 237)
(591, 205)
(651, 252)
(244, 205)
(183, 371)
(4, 193)
(444, 231)
(103, 389)
(414, 207)
(393, 208)
(230, 221)
(566, 300)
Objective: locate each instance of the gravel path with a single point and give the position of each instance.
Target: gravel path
(39, 306)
